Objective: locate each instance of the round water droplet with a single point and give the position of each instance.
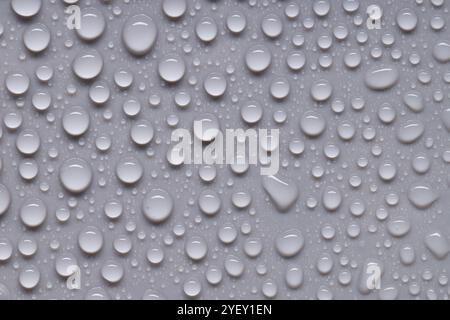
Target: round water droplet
(36, 37)
(312, 124)
(441, 52)
(28, 169)
(280, 88)
(289, 243)
(296, 60)
(90, 240)
(236, 22)
(17, 83)
(123, 78)
(206, 29)
(253, 247)
(88, 64)
(65, 263)
(422, 196)
(99, 92)
(234, 266)
(196, 248)
(75, 121)
(28, 142)
(241, 199)
(41, 101)
(325, 264)
(171, 68)
(251, 112)
(192, 288)
(142, 132)
(209, 202)
(387, 170)
(139, 34)
(227, 233)
(174, 9)
(407, 20)
(258, 58)
(215, 84)
(92, 24)
(33, 212)
(129, 170)
(157, 205)
(112, 271)
(75, 175)
(214, 275)
(155, 255)
(272, 25)
(29, 277)
(26, 8)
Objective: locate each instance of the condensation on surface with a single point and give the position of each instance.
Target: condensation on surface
(89, 189)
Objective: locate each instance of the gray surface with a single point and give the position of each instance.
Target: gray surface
(426, 277)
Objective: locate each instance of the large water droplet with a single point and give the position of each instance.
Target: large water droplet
(139, 34)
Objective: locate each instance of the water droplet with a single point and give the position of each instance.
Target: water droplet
(92, 24)
(174, 9)
(88, 64)
(26, 8)
(75, 121)
(112, 271)
(312, 124)
(171, 68)
(331, 198)
(289, 243)
(36, 37)
(6, 249)
(410, 131)
(398, 227)
(139, 34)
(272, 25)
(407, 19)
(236, 22)
(17, 83)
(142, 132)
(438, 244)
(129, 170)
(441, 52)
(29, 277)
(209, 202)
(258, 58)
(422, 196)
(75, 175)
(90, 240)
(381, 78)
(157, 205)
(206, 29)
(215, 84)
(234, 266)
(33, 212)
(283, 194)
(196, 248)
